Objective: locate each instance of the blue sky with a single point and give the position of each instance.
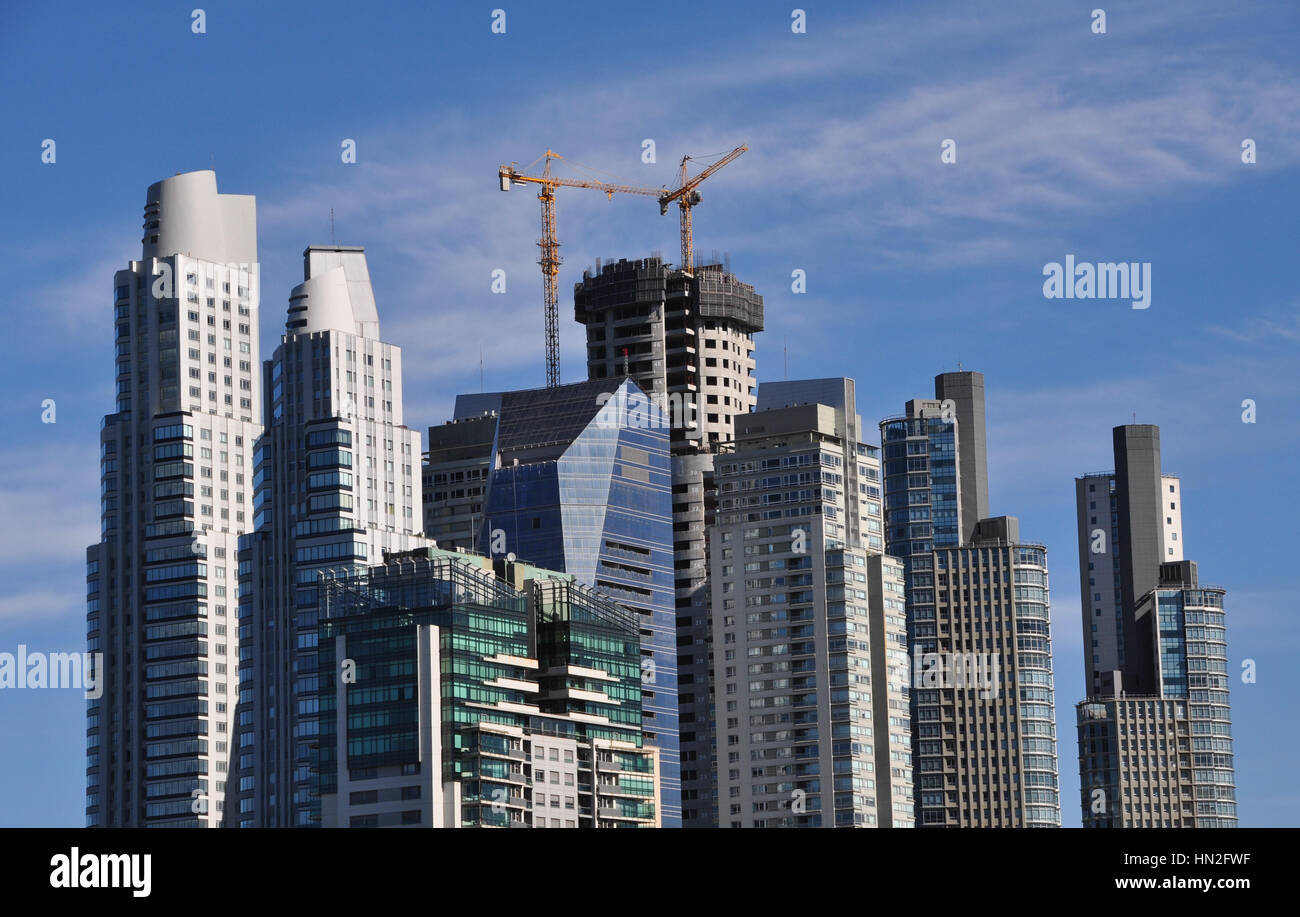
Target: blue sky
(1117, 147)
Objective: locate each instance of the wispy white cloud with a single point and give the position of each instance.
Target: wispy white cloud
(43, 604)
(1277, 329)
(844, 129)
(1034, 145)
(49, 502)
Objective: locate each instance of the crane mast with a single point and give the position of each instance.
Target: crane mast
(549, 244)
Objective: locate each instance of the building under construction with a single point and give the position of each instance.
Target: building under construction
(687, 339)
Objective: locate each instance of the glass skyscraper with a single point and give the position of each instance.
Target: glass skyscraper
(577, 478)
(336, 482)
(978, 618)
(920, 451)
(458, 691)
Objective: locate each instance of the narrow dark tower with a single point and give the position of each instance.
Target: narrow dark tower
(1141, 534)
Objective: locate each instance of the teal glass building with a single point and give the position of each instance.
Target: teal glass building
(451, 682)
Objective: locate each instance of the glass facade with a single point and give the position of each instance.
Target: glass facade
(591, 496)
(478, 619)
(551, 660)
(984, 600)
(174, 499)
(1194, 665)
(921, 513)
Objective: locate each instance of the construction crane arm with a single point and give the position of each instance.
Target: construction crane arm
(689, 184)
(687, 197)
(511, 176)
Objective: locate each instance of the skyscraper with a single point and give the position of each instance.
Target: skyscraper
(458, 691)
(1155, 733)
(1101, 557)
(176, 479)
(576, 478)
(979, 628)
(808, 620)
(961, 394)
(456, 471)
(936, 479)
(687, 339)
(336, 484)
(984, 707)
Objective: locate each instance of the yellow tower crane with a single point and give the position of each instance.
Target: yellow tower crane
(685, 195)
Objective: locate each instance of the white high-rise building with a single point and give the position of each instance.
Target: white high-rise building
(176, 479)
(809, 622)
(336, 485)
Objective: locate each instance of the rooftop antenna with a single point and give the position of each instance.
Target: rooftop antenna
(785, 350)
(332, 242)
(480, 368)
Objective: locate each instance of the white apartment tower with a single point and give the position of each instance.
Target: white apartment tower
(809, 620)
(177, 491)
(336, 485)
